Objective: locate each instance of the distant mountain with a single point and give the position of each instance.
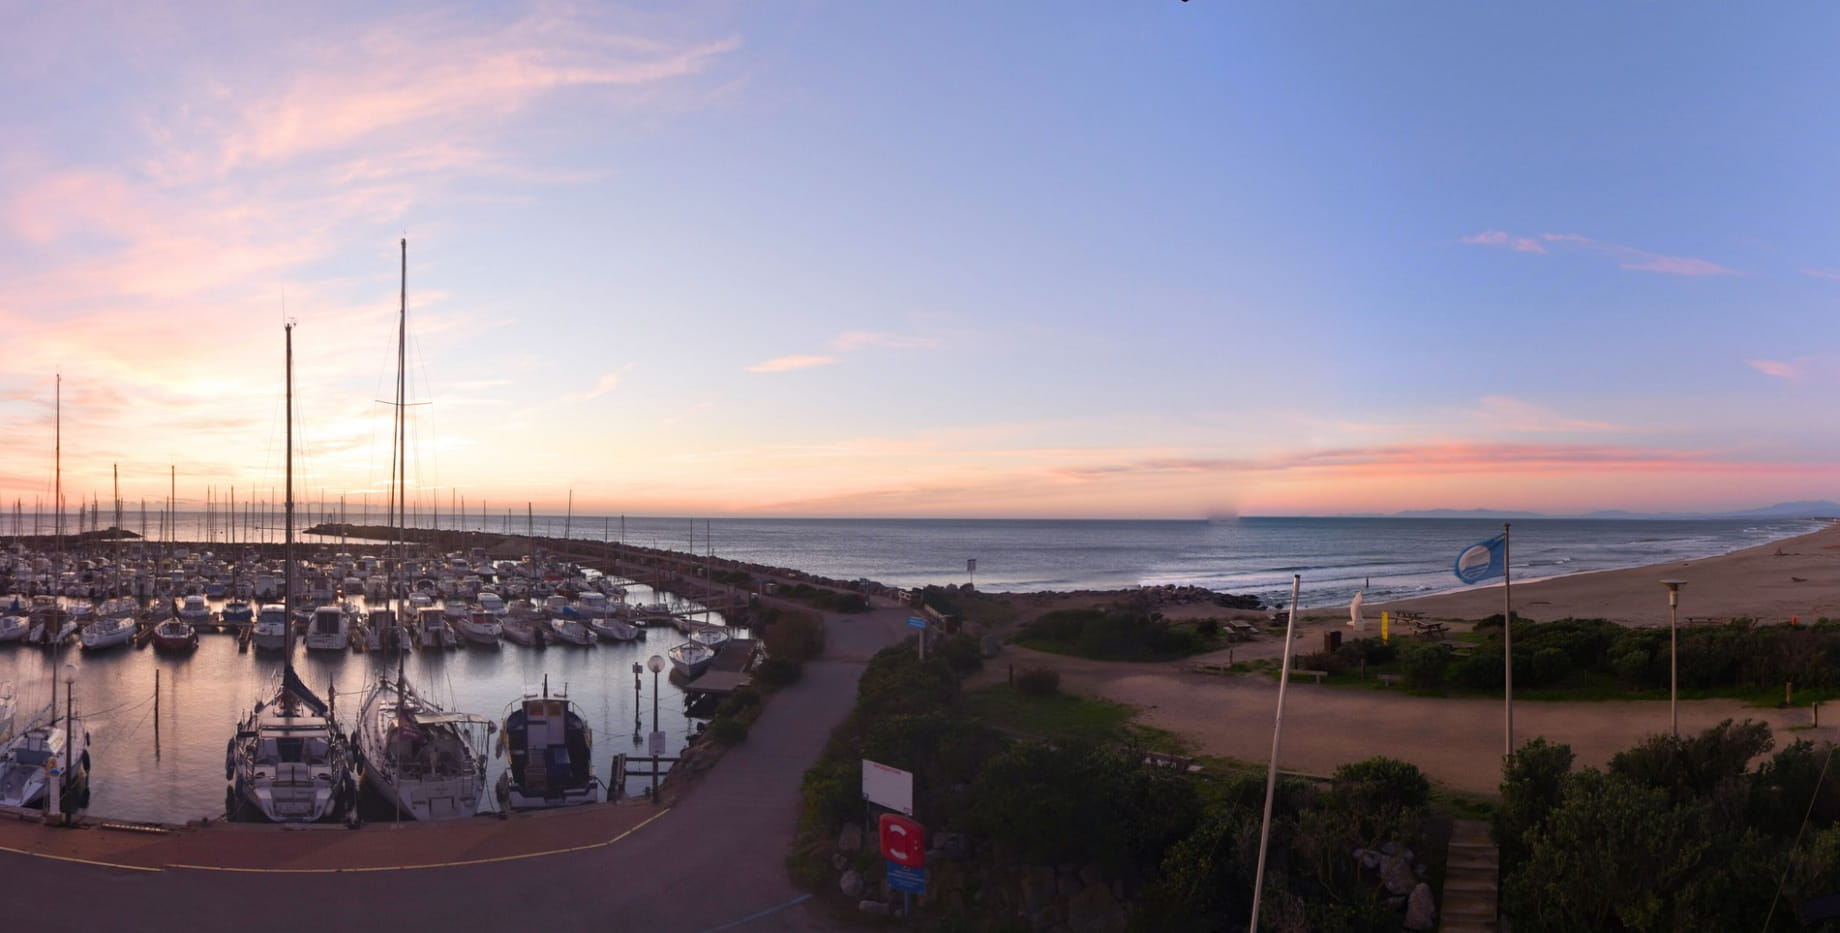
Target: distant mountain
(1467, 513)
(1817, 508)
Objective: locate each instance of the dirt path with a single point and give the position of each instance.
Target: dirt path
(1457, 742)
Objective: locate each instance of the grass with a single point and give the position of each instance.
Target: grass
(1066, 717)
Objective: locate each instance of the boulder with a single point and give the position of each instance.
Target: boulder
(1038, 883)
(839, 861)
(1095, 910)
(851, 839)
(1396, 874)
(851, 884)
(873, 908)
(1421, 910)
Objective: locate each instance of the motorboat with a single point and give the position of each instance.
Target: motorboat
(432, 630)
(107, 632)
(271, 629)
(237, 613)
(711, 635)
(194, 609)
(27, 761)
(14, 628)
(51, 627)
(382, 632)
(550, 747)
(479, 628)
(611, 629)
(691, 658)
(329, 628)
(175, 635)
(571, 631)
(524, 625)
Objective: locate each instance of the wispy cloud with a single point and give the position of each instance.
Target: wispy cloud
(607, 383)
(789, 363)
(1514, 414)
(1822, 273)
(846, 342)
(1781, 369)
(858, 339)
(1627, 257)
(1519, 244)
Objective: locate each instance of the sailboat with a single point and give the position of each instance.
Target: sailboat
(45, 743)
(423, 759)
(288, 760)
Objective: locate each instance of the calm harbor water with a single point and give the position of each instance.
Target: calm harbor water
(203, 695)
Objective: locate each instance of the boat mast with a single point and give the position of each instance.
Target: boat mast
(287, 540)
(399, 464)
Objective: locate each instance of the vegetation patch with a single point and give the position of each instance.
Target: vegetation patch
(1114, 635)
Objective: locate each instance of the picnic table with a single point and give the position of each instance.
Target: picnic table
(1422, 627)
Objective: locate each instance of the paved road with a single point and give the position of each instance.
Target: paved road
(715, 860)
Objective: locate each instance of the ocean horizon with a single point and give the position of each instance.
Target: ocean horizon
(1389, 557)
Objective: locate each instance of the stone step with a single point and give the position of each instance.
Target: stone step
(1469, 926)
(1478, 864)
(1469, 910)
(1485, 887)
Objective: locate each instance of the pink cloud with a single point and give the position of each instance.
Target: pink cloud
(858, 339)
(1778, 368)
(1641, 260)
(789, 363)
(1517, 415)
(1822, 273)
(1519, 244)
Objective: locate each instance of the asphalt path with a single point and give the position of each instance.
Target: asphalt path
(714, 860)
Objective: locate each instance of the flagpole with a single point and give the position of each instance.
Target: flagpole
(1507, 633)
(1277, 732)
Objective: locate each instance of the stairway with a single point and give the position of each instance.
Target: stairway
(1471, 877)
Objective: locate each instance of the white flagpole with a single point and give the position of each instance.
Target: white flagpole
(1507, 635)
(1277, 733)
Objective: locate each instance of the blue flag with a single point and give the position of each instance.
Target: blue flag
(1483, 560)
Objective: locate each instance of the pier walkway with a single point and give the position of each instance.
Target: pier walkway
(714, 858)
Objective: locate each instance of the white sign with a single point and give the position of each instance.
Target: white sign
(658, 744)
(888, 787)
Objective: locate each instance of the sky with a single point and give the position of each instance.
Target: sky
(1155, 259)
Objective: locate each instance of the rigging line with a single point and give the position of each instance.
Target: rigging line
(137, 726)
(1812, 798)
(113, 709)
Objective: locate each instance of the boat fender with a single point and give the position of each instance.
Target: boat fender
(85, 758)
(354, 738)
(229, 759)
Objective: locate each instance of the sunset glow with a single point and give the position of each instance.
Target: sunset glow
(1142, 260)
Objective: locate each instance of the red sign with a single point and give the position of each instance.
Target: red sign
(903, 841)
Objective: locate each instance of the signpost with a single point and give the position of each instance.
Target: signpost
(904, 846)
(919, 623)
(888, 787)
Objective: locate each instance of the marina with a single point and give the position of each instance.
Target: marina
(166, 768)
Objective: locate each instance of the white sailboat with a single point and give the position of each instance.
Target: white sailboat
(28, 758)
(288, 760)
(425, 760)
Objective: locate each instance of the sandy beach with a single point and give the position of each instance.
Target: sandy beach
(1459, 742)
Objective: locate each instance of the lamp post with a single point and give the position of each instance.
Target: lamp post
(1673, 588)
(70, 759)
(655, 664)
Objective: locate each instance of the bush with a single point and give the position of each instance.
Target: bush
(1038, 682)
(961, 652)
(1425, 666)
(1111, 635)
(732, 705)
(728, 731)
(1550, 665)
(778, 672)
(1208, 628)
(796, 636)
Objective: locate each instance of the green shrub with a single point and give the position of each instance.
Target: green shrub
(1038, 682)
(778, 672)
(732, 705)
(1550, 665)
(1208, 628)
(1111, 635)
(961, 652)
(1425, 667)
(728, 731)
(796, 636)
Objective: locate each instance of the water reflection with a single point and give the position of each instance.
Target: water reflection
(174, 772)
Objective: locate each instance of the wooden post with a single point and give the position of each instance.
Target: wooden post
(156, 714)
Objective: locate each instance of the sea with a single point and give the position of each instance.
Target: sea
(175, 775)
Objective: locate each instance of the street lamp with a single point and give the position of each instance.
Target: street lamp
(70, 760)
(1673, 588)
(655, 664)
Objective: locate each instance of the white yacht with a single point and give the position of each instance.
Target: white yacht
(14, 628)
(691, 658)
(107, 632)
(330, 628)
(27, 758)
(423, 760)
(271, 629)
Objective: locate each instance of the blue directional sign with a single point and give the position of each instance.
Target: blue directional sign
(916, 622)
(902, 878)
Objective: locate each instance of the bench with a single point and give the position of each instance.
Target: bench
(1174, 762)
(1708, 620)
(1429, 630)
(1211, 668)
(1388, 680)
(1319, 675)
